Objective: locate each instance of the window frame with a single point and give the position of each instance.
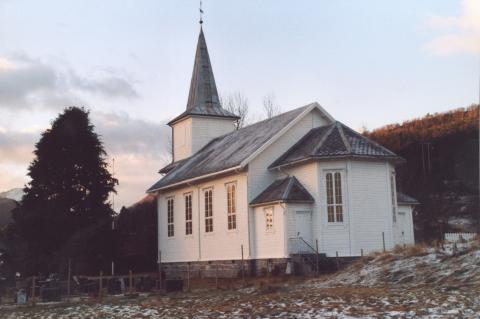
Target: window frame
(335, 196)
(170, 218)
(208, 207)
(272, 222)
(188, 201)
(232, 221)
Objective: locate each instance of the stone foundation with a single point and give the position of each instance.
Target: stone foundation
(225, 268)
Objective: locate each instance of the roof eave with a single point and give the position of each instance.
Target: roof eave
(280, 201)
(408, 203)
(311, 158)
(185, 116)
(194, 179)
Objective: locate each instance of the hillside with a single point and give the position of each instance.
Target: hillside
(442, 168)
(417, 282)
(15, 193)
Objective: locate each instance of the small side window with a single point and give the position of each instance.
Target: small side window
(268, 211)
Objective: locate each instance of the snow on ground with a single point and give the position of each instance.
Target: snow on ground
(431, 283)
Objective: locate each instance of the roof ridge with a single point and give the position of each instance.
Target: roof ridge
(348, 146)
(324, 138)
(289, 187)
(276, 116)
(368, 139)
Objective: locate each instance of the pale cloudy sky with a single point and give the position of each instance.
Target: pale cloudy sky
(369, 63)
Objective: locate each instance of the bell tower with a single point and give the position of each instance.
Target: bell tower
(204, 119)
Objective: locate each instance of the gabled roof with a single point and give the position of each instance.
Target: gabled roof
(203, 96)
(287, 190)
(333, 141)
(405, 199)
(231, 151)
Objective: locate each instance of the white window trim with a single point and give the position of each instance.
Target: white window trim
(343, 179)
(234, 183)
(185, 212)
(205, 190)
(171, 198)
(272, 229)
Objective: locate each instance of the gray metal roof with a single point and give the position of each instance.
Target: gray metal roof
(172, 165)
(288, 189)
(203, 96)
(227, 151)
(333, 141)
(405, 199)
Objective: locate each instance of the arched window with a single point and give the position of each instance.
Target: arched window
(208, 211)
(188, 214)
(170, 214)
(334, 197)
(231, 206)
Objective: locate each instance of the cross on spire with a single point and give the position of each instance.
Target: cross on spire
(201, 14)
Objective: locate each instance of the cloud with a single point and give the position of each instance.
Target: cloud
(140, 149)
(26, 82)
(16, 148)
(459, 34)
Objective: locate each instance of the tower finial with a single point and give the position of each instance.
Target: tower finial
(201, 13)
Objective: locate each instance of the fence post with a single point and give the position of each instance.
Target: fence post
(383, 241)
(188, 276)
(69, 274)
(361, 252)
(317, 268)
(216, 275)
(243, 272)
(160, 286)
(33, 289)
(336, 260)
(130, 281)
(100, 284)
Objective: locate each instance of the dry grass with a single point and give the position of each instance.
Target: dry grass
(411, 250)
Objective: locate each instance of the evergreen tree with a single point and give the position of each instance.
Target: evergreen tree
(68, 193)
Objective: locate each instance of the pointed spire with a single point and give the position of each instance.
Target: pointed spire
(203, 96)
(203, 91)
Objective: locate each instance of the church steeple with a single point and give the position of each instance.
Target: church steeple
(203, 97)
(204, 119)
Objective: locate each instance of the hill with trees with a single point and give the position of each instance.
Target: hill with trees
(442, 154)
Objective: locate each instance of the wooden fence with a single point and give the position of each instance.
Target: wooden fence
(458, 237)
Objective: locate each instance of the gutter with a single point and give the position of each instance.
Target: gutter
(188, 181)
(396, 160)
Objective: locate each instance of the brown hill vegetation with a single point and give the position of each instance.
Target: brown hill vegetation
(442, 156)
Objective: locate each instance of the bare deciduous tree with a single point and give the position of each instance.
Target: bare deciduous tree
(236, 103)
(270, 107)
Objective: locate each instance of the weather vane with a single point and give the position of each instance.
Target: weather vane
(201, 13)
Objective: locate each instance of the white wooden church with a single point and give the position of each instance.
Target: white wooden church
(273, 189)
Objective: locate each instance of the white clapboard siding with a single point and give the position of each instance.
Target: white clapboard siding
(221, 244)
(193, 133)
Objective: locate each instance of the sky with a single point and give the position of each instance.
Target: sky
(129, 62)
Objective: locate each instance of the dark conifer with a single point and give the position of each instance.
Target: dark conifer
(68, 191)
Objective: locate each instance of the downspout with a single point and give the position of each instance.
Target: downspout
(199, 228)
(238, 171)
(285, 230)
(279, 169)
